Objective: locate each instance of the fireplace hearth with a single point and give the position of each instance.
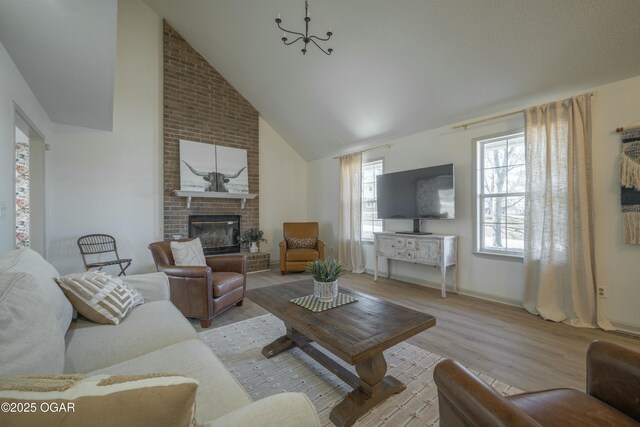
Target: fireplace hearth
(219, 234)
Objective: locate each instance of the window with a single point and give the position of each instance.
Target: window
(500, 169)
(369, 218)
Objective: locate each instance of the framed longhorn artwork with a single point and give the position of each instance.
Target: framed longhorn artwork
(208, 167)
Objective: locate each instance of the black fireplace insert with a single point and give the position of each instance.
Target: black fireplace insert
(219, 234)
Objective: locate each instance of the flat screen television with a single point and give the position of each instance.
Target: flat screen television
(426, 193)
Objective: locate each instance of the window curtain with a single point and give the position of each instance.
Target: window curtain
(349, 245)
(559, 249)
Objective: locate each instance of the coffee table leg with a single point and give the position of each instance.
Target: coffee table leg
(278, 346)
(374, 388)
(281, 344)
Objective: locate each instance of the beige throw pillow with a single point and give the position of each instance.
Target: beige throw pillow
(100, 297)
(188, 253)
(159, 400)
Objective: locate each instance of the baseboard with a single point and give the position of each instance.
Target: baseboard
(490, 297)
(627, 327)
(461, 291)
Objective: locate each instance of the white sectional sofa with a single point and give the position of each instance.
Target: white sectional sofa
(39, 336)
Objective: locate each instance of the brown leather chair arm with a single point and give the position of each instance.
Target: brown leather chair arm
(321, 245)
(465, 400)
(613, 376)
(185, 271)
(231, 263)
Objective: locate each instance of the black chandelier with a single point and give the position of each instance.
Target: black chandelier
(306, 38)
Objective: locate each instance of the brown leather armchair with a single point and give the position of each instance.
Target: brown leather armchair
(296, 259)
(203, 292)
(612, 397)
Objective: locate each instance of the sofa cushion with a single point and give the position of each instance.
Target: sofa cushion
(188, 253)
(75, 400)
(282, 409)
(28, 261)
(30, 338)
(100, 297)
(218, 393)
(147, 328)
(225, 282)
(302, 254)
(152, 286)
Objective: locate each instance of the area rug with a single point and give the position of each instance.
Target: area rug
(238, 346)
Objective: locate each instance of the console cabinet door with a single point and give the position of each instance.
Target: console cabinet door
(428, 251)
(385, 246)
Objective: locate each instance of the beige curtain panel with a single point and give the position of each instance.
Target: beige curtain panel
(349, 244)
(559, 249)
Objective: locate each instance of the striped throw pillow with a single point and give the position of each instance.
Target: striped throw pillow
(159, 400)
(302, 242)
(99, 297)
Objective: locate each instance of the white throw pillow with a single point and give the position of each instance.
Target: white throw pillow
(100, 297)
(31, 341)
(188, 253)
(28, 261)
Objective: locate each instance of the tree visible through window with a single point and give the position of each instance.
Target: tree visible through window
(370, 221)
(500, 165)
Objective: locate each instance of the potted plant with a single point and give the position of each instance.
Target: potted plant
(252, 237)
(325, 278)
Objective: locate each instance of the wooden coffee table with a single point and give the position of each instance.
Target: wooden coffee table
(357, 333)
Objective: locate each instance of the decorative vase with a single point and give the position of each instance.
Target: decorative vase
(325, 291)
(253, 247)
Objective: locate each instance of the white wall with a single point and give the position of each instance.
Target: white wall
(618, 264)
(283, 187)
(13, 88)
(618, 268)
(110, 182)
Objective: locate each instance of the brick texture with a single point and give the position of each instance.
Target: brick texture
(201, 106)
(257, 261)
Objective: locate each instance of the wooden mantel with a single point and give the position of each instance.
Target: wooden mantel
(214, 195)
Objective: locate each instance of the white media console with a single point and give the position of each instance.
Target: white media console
(431, 249)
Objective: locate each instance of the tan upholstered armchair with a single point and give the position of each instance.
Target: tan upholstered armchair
(203, 292)
(300, 246)
(613, 392)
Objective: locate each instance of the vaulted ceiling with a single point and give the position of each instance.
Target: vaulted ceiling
(404, 66)
(398, 67)
(66, 51)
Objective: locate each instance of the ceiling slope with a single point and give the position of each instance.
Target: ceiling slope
(65, 50)
(405, 66)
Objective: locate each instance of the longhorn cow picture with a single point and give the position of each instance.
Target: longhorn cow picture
(208, 167)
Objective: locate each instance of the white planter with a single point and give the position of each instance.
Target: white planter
(325, 291)
(253, 247)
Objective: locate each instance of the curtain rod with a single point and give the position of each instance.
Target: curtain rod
(366, 149)
(512, 113)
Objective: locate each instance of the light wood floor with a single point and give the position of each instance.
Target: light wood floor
(504, 342)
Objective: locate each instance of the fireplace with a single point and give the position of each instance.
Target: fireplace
(219, 234)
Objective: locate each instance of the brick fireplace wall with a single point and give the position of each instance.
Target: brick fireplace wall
(201, 106)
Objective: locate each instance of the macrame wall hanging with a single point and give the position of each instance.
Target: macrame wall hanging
(630, 182)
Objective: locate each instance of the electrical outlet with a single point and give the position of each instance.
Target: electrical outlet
(602, 292)
(3, 209)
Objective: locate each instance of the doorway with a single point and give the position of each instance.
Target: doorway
(29, 185)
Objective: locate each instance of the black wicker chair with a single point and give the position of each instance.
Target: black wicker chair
(95, 244)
